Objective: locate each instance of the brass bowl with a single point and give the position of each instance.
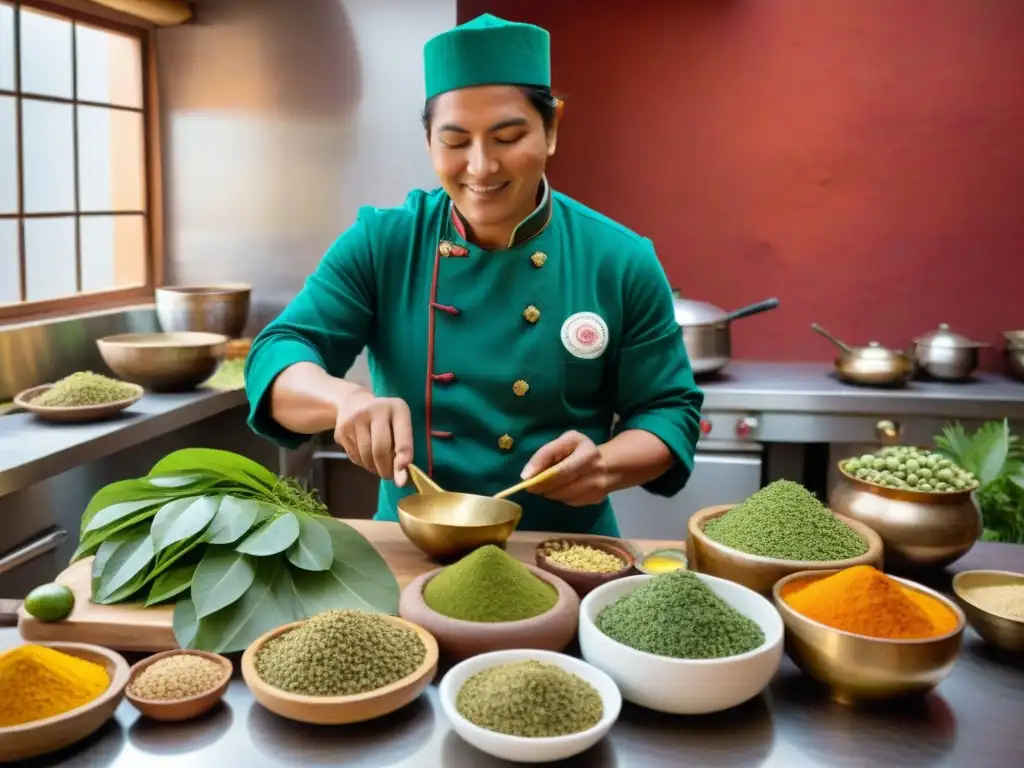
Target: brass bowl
(859, 667)
(446, 526)
(919, 529)
(1001, 631)
(761, 573)
(222, 309)
(164, 362)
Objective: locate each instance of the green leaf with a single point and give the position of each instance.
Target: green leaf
(312, 550)
(117, 493)
(263, 607)
(272, 537)
(124, 563)
(992, 447)
(126, 591)
(105, 551)
(222, 577)
(184, 623)
(171, 582)
(230, 465)
(234, 518)
(358, 577)
(116, 512)
(176, 481)
(182, 518)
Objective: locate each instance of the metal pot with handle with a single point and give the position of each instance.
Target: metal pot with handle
(706, 331)
(872, 364)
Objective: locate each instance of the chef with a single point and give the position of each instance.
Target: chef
(506, 324)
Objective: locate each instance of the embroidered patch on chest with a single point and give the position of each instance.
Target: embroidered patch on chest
(585, 335)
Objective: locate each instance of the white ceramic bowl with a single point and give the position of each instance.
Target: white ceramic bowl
(684, 686)
(521, 748)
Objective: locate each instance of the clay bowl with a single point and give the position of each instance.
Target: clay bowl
(77, 413)
(858, 667)
(445, 526)
(761, 573)
(582, 581)
(179, 709)
(340, 710)
(458, 639)
(920, 530)
(41, 737)
(1001, 631)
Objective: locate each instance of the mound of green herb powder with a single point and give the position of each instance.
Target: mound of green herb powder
(529, 698)
(84, 388)
(785, 521)
(340, 653)
(489, 585)
(678, 615)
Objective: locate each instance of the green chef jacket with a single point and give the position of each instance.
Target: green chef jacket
(496, 352)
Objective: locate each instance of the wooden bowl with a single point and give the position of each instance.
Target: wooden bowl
(458, 639)
(582, 581)
(179, 709)
(76, 413)
(1001, 631)
(340, 710)
(761, 573)
(41, 737)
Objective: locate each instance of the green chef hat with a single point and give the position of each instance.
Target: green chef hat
(487, 51)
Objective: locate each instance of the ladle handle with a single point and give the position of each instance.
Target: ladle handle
(753, 309)
(536, 479)
(423, 481)
(830, 337)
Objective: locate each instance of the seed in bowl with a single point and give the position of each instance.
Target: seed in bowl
(340, 653)
(679, 616)
(865, 601)
(907, 468)
(1006, 600)
(177, 677)
(785, 521)
(529, 698)
(580, 557)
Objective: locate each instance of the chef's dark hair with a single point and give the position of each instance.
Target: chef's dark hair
(539, 96)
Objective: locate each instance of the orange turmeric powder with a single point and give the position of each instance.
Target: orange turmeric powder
(865, 601)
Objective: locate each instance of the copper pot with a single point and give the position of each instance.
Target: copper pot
(872, 364)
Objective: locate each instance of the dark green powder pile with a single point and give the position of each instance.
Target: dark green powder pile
(489, 585)
(677, 615)
(340, 653)
(529, 698)
(785, 521)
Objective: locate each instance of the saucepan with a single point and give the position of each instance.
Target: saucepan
(1014, 352)
(706, 331)
(872, 364)
(446, 525)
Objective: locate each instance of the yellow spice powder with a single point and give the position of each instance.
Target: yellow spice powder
(37, 682)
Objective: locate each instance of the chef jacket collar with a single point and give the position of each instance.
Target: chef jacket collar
(527, 229)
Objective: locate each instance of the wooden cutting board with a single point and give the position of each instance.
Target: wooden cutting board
(129, 627)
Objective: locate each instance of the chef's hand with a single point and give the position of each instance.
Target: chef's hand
(583, 478)
(376, 433)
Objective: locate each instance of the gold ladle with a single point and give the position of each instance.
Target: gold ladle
(425, 484)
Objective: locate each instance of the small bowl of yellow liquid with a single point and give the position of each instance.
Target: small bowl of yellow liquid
(662, 561)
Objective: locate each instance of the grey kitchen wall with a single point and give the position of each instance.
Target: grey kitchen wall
(281, 118)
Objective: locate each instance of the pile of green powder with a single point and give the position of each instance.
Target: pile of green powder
(489, 585)
(785, 521)
(84, 388)
(529, 698)
(677, 615)
(340, 653)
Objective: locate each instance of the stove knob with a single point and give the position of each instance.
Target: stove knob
(705, 427)
(746, 425)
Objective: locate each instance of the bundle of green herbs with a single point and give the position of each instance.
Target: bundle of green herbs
(238, 549)
(995, 457)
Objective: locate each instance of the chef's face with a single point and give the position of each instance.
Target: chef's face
(489, 147)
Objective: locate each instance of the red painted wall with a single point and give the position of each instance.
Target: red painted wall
(863, 160)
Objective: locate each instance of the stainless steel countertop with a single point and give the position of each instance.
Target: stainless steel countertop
(972, 719)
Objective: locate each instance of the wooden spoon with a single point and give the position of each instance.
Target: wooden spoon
(423, 482)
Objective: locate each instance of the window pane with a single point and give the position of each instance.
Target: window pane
(45, 54)
(48, 143)
(113, 252)
(49, 258)
(10, 278)
(8, 157)
(109, 66)
(110, 160)
(6, 47)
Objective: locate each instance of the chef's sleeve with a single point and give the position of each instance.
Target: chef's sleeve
(328, 323)
(655, 386)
